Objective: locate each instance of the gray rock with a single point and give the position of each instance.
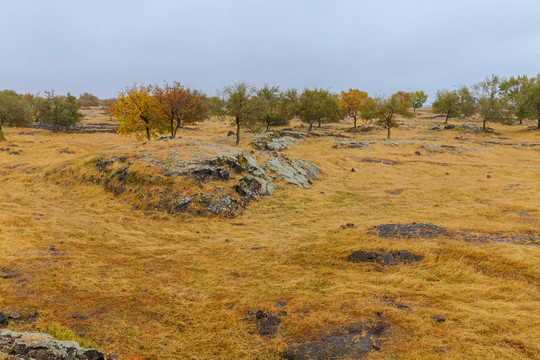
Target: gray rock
(253, 187)
(223, 204)
(251, 165)
(280, 143)
(15, 315)
(40, 346)
(438, 318)
(3, 319)
(299, 173)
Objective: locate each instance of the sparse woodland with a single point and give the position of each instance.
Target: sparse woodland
(270, 223)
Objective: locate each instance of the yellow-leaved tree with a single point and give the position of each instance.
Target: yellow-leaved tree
(354, 104)
(136, 109)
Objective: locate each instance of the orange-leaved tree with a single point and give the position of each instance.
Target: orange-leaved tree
(353, 103)
(179, 106)
(137, 111)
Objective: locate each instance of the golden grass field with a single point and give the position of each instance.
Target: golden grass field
(156, 286)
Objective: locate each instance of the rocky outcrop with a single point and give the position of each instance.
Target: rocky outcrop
(299, 172)
(221, 184)
(37, 346)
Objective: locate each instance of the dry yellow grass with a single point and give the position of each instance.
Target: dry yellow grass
(163, 287)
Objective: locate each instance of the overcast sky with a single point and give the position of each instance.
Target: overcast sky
(377, 46)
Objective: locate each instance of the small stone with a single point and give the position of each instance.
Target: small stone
(7, 275)
(3, 319)
(256, 248)
(489, 176)
(15, 315)
(438, 318)
(447, 173)
(418, 152)
(52, 248)
(352, 170)
(79, 316)
(282, 312)
(227, 240)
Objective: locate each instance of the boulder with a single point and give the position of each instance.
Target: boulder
(253, 187)
(43, 347)
(299, 173)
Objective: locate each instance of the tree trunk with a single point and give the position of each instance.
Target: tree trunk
(484, 125)
(319, 122)
(310, 126)
(388, 137)
(2, 137)
(354, 117)
(173, 133)
(148, 132)
(447, 116)
(537, 112)
(237, 131)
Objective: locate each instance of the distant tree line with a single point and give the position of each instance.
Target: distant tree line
(147, 111)
(495, 99)
(18, 110)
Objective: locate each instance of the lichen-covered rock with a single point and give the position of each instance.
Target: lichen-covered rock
(299, 173)
(43, 347)
(251, 165)
(223, 204)
(253, 187)
(280, 143)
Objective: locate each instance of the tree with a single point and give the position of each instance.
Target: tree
(528, 105)
(239, 104)
(446, 102)
(214, 105)
(353, 102)
(288, 105)
(513, 90)
(178, 106)
(276, 107)
(87, 99)
(15, 110)
(318, 105)
(58, 111)
(466, 102)
(492, 106)
(418, 99)
(136, 109)
(385, 109)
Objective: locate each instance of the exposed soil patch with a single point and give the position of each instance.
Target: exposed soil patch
(413, 230)
(389, 258)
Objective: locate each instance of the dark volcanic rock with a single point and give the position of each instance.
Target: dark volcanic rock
(3, 319)
(413, 230)
(353, 345)
(266, 324)
(332, 347)
(390, 258)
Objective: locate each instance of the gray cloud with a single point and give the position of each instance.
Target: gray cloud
(379, 47)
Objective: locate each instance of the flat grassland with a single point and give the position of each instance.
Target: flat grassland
(157, 286)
